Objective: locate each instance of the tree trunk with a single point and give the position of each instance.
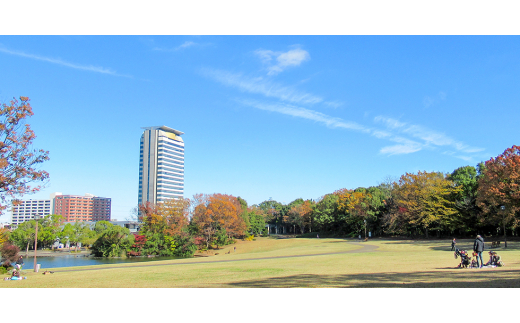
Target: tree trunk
(27, 249)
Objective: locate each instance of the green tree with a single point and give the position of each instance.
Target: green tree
(50, 229)
(466, 219)
(324, 213)
(113, 242)
(23, 236)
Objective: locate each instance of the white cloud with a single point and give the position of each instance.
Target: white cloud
(429, 101)
(184, 45)
(389, 122)
(261, 86)
(283, 60)
(58, 61)
(299, 112)
(187, 44)
(430, 137)
(333, 104)
(399, 149)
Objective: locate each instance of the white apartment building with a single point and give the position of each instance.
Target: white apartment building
(26, 210)
(161, 165)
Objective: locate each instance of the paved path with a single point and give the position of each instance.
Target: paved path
(364, 248)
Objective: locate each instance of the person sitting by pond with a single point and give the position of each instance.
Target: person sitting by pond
(19, 263)
(15, 276)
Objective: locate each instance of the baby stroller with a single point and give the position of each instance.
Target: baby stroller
(465, 259)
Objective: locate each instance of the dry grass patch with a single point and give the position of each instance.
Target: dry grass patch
(299, 263)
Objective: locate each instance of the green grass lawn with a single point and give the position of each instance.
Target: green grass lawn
(269, 262)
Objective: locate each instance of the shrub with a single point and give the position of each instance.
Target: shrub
(250, 238)
(9, 251)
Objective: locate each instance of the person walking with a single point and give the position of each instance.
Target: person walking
(453, 243)
(478, 247)
(19, 263)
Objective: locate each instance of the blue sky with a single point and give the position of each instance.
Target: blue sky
(263, 116)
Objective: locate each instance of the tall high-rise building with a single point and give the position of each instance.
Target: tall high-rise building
(161, 165)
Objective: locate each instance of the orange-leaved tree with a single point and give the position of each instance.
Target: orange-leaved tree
(217, 212)
(354, 207)
(499, 189)
(300, 215)
(151, 219)
(18, 162)
(176, 213)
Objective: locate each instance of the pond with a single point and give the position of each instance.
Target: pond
(80, 260)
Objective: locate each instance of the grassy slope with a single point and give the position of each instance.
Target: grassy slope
(394, 264)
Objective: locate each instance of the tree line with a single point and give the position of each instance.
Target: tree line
(471, 200)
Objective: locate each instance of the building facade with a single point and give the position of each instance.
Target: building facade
(77, 208)
(74, 208)
(161, 165)
(26, 210)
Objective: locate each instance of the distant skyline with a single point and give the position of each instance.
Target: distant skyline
(285, 117)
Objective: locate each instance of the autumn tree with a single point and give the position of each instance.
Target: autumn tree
(354, 208)
(164, 225)
(18, 162)
(4, 236)
(176, 214)
(216, 212)
(300, 215)
(499, 190)
(425, 200)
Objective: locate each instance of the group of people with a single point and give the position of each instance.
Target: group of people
(15, 275)
(478, 248)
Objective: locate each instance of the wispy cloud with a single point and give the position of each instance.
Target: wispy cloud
(428, 136)
(58, 61)
(278, 61)
(184, 45)
(261, 86)
(399, 149)
(406, 138)
(429, 101)
(308, 114)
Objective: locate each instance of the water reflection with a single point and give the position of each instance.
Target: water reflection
(80, 260)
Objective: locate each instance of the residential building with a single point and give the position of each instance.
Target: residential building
(28, 209)
(72, 207)
(77, 208)
(161, 165)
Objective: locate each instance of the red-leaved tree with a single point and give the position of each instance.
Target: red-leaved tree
(18, 162)
(499, 189)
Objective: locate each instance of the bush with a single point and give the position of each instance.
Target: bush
(9, 251)
(249, 238)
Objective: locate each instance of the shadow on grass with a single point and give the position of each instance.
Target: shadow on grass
(460, 278)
